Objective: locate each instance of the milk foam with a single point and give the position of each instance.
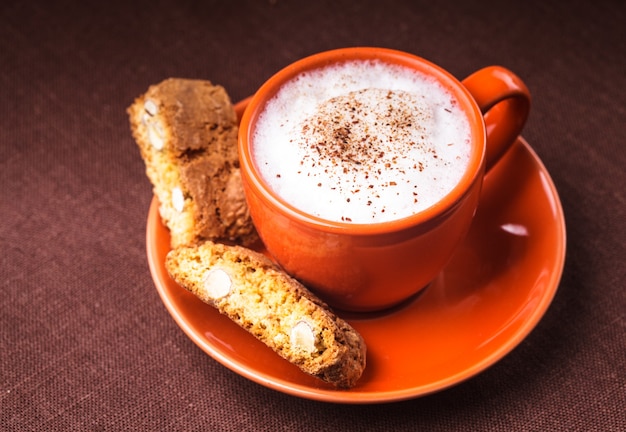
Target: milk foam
(362, 142)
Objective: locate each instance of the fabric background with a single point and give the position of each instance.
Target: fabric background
(86, 343)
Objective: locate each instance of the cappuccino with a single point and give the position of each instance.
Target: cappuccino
(362, 142)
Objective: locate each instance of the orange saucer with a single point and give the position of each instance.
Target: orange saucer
(487, 300)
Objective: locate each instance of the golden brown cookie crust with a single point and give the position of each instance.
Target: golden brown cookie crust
(186, 131)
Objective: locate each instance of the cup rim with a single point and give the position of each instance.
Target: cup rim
(429, 215)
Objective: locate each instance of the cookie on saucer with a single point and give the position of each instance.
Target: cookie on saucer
(275, 308)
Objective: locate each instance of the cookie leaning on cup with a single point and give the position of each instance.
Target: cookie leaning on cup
(186, 131)
(275, 308)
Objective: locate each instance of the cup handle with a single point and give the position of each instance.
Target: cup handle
(504, 100)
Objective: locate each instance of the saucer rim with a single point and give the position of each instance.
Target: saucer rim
(355, 396)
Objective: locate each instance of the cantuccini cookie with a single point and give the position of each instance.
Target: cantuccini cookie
(249, 288)
(186, 131)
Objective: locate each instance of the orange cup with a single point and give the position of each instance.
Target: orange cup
(373, 266)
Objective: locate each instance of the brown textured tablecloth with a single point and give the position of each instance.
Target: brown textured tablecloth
(85, 341)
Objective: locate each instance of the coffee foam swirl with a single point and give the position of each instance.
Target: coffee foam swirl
(360, 152)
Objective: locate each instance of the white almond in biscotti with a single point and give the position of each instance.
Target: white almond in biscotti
(247, 287)
(186, 131)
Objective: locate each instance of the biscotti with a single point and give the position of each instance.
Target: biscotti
(247, 287)
(186, 131)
